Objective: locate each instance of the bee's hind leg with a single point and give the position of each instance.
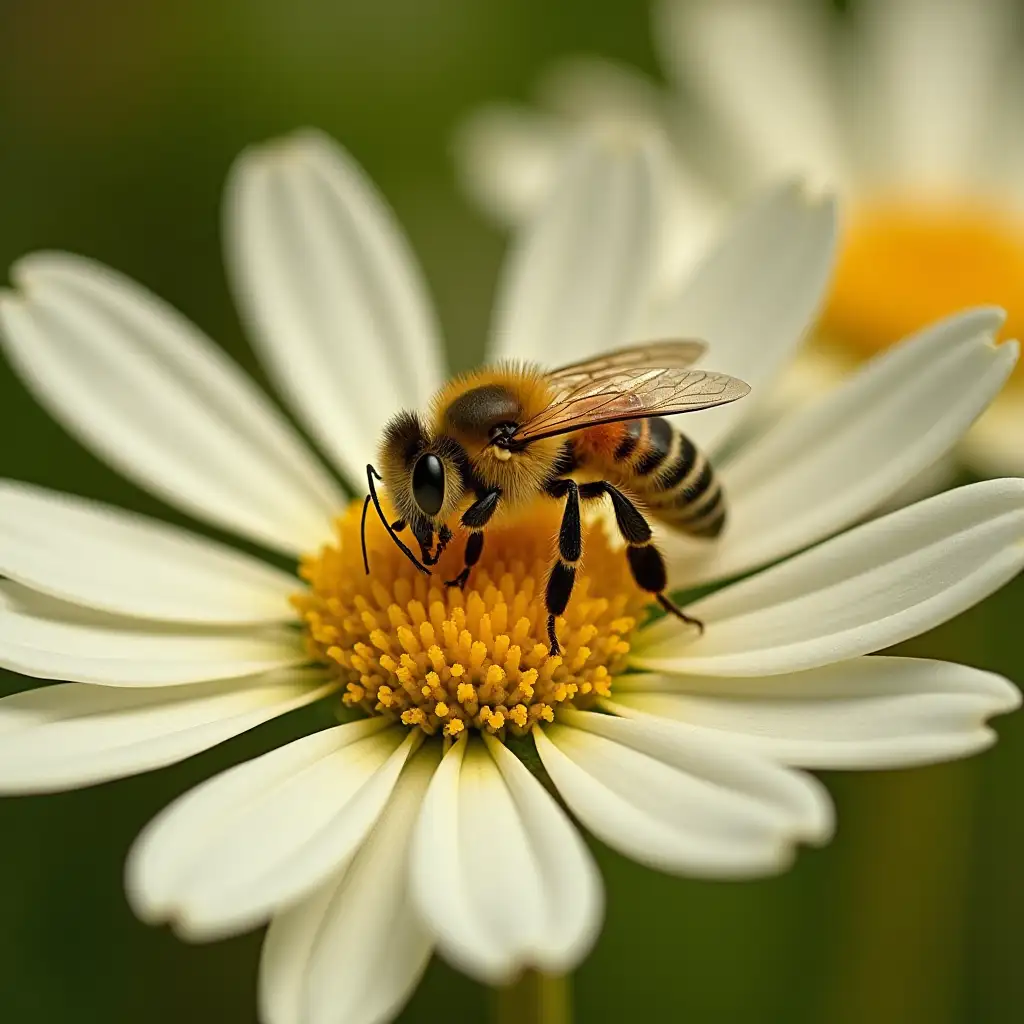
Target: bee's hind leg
(645, 561)
(673, 609)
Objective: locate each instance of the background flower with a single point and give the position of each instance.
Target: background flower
(911, 109)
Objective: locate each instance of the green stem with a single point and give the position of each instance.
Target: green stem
(534, 998)
(903, 897)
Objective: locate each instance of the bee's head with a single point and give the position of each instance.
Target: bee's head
(421, 473)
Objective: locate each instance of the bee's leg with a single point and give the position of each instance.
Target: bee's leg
(645, 561)
(475, 518)
(444, 535)
(425, 538)
(474, 546)
(562, 577)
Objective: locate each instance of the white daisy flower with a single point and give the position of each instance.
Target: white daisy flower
(418, 827)
(910, 109)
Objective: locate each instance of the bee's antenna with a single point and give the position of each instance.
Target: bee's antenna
(362, 535)
(372, 474)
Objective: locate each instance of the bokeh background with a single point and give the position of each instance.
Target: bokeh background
(118, 121)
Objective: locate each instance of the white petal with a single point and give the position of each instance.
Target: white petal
(994, 446)
(871, 587)
(102, 557)
(155, 398)
(49, 639)
(871, 712)
(355, 949)
(764, 69)
(508, 159)
(939, 476)
(332, 293)
(928, 78)
(222, 858)
(601, 95)
(498, 872)
(754, 296)
(1004, 170)
(596, 90)
(580, 271)
(74, 734)
(673, 799)
(843, 455)
(691, 222)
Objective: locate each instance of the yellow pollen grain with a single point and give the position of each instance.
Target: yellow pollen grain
(905, 263)
(443, 660)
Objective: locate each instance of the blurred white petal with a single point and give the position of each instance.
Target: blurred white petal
(596, 90)
(753, 297)
(508, 159)
(764, 68)
(579, 274)
(594, 93)
(995, 446)
(928, 77)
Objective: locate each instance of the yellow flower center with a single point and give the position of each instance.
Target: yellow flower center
(444, 660)
(905, 264)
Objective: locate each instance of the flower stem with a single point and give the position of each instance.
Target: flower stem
(534, 998)
(901, 918)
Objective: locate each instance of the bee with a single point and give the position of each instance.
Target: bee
(500, 437)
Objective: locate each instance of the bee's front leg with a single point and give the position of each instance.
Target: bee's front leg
(475, 518)
(474, 547)
(425, 538)
(444, 535)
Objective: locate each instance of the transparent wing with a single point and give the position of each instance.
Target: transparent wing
(677, 354)
(631, 393)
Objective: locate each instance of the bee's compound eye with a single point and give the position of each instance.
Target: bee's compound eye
(428, 484)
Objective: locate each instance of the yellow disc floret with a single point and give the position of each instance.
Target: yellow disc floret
(445, 660)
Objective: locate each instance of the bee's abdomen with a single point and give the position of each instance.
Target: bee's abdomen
(674, 479)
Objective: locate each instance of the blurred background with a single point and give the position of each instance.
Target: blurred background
(118, 122)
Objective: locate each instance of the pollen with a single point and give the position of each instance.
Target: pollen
(905, 263)
(444, 660)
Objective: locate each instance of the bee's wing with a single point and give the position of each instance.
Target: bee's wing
(677, 354)
(630, 393)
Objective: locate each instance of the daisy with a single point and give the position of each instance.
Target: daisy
(419, 824)
(910, 109)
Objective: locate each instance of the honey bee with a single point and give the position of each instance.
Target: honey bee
(500, 437)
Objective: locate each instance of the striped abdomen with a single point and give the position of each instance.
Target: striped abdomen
(664, 468)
